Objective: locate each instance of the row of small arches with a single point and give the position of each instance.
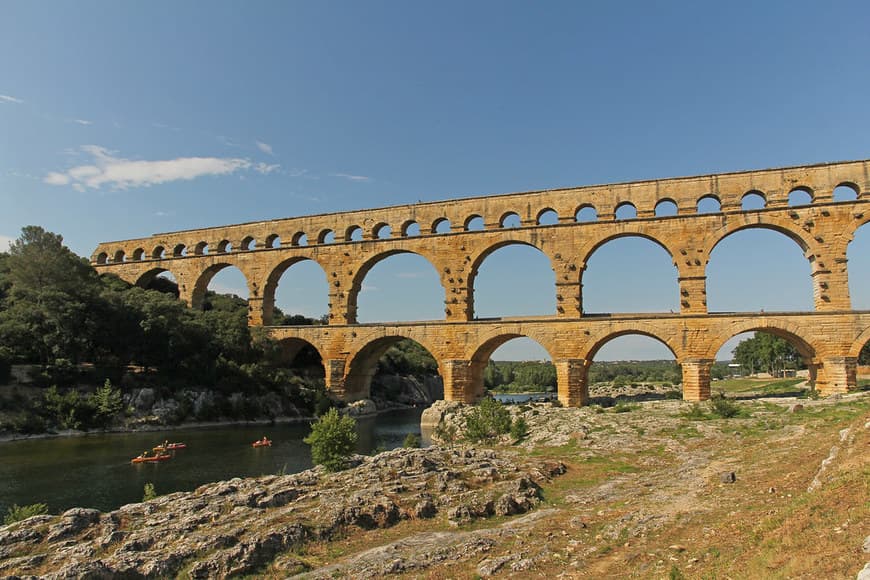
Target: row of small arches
(586, 213)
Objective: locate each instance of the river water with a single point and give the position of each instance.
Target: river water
(95, 471)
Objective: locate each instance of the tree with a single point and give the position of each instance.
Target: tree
(333, 439)
(107, 403)
(768, 353)
(488, 420)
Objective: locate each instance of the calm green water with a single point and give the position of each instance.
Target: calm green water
(95, 470)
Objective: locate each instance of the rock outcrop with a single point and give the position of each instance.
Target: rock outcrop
(242, 526)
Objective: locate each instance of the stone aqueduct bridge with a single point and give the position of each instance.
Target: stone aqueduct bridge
(829, 337)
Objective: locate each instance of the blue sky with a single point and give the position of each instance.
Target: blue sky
(120, 120)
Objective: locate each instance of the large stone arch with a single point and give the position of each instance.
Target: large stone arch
(205, 276)
(144, 279)
(362, 364)
(270, 286)
(479, 257)
(595, 245)
(793, 333)
(816, 259)
(858, 343)
(289, 348)
(590, 249)
(793, 232)
(595, 341)
(479, 353)
(362, 270)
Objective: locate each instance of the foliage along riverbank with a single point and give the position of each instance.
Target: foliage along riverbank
(104, 354)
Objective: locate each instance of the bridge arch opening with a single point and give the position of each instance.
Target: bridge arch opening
(410, 228)
(397, 286)
(547, 217)
(353, 234)
(846, 192)
(630, 273)
(139, 254)
(761, 355)
(753, 200)
(800, 196)
(513, 363)
(586, 214)
(522, 268)
(119, 257)
(326, 237)
(370, 368)
(273, 241)
(179, 251)
(858, 264)
(299, 239)
(625, 211)
(224, 247)
(709, 204)
(300, 356)
(441, 226)
(201, 249)
(102, 258)
(510, 219)
(406, 373)
(631, 365)
(160, 280)
(224, 279)
(666, 207)
(158, 253)
(861, 352)
(248, 244)
(382, 231)
(299, 290)
(474, 223)
(759, 268)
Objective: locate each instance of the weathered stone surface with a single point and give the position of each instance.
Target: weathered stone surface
(829, 339)
(238, 526)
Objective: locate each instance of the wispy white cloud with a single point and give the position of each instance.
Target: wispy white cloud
(222, 289)
(264, 147)
(120, 173)
(9, 99)
(265, 168)
(5, 242)
(82, 121)
(351, 177)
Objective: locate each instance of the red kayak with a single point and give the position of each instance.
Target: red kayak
(262, 443)
(151, 458)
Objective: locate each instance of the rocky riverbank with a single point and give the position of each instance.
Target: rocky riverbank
(240, 526)
(651, 490)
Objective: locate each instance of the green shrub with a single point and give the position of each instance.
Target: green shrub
(150, 492)
(519, 429)
(17, 513)
(445, 433)
(695, 413)
(487, 421)
(333, 438)
(412, 441)
(625, 407)
(722, 407)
